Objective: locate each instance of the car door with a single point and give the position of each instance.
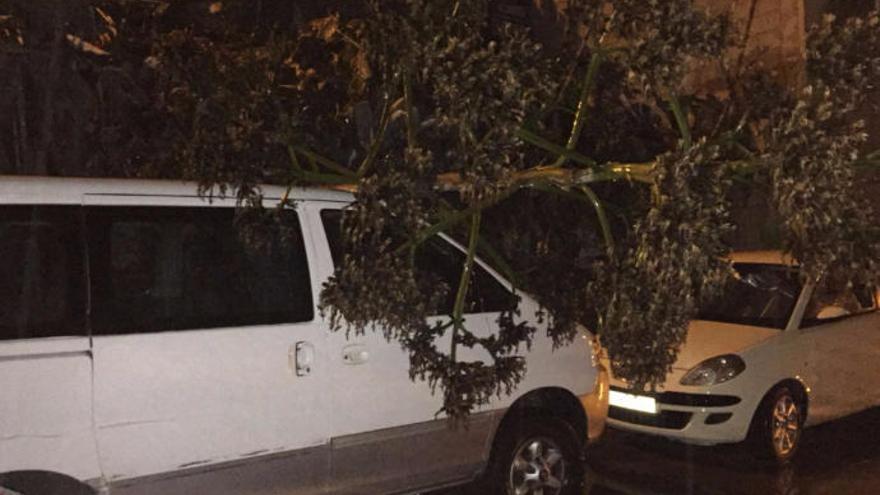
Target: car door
(45, 363)
(843, 329)
(387, 435)
(209, 356)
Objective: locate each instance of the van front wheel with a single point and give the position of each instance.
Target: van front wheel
(536, 456)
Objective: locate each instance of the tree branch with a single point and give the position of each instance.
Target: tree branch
(536, 140)
(681, 120)
(410, 116)
(464, 283)
(326, 162)
(581, 114)
(377, 141)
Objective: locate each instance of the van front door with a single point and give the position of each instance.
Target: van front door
(209, 361)
(388, 435)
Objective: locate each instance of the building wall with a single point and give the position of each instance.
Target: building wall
(815, 9)
(777, 31)
(775, 41)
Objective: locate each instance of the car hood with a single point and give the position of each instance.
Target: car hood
(706, 339)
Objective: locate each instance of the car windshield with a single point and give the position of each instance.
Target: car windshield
(760, 295)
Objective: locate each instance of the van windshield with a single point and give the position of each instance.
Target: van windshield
(760, 295)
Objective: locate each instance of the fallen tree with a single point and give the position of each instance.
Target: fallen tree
(440, 114)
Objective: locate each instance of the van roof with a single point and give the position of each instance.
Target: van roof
(768, 257)
(70, 190)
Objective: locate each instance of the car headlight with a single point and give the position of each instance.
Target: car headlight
(713, 371)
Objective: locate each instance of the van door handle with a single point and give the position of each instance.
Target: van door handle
(303, 355)
(355, 354)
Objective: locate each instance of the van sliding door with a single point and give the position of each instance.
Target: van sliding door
(199, 339)
(45, 364)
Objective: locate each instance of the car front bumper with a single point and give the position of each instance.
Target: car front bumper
(704, 419)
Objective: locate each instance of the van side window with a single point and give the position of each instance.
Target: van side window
(444, 261)
(42, 280)
(168, 268)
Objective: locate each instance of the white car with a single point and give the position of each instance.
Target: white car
(768, 359)
(144, 349)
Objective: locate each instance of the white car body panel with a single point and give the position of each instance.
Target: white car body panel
(153, 412)
(185, 391)
(46, 406)
(358, 405)
(707, 339)
(844, 366)
(836, 362)
(756, 345)
(402, 400)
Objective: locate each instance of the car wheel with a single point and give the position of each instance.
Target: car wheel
(537, 456)
(778, 426)
(41, 483)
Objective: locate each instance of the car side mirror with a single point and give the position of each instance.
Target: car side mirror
(831, 312)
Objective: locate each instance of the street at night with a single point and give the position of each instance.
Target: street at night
(840, 457)
(837, 457)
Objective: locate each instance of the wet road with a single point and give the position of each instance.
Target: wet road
(842, 457)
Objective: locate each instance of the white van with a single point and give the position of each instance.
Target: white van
(144, 350)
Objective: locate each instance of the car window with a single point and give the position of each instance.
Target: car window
(444, 262)
(865, 295)
(759, 294)
(164, 268)
(832, 299)
(42, 277)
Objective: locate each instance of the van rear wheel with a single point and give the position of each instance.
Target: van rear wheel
(536, 456)
(42, 483)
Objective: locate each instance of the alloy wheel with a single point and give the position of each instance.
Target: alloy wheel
(785, 426)
(538, 468)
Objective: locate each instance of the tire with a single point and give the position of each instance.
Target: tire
(538, 455)
(777, 428)
(42, 483)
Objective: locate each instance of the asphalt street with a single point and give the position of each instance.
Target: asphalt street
(841, 457)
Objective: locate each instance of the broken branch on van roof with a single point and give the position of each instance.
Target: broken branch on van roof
(572, 149)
